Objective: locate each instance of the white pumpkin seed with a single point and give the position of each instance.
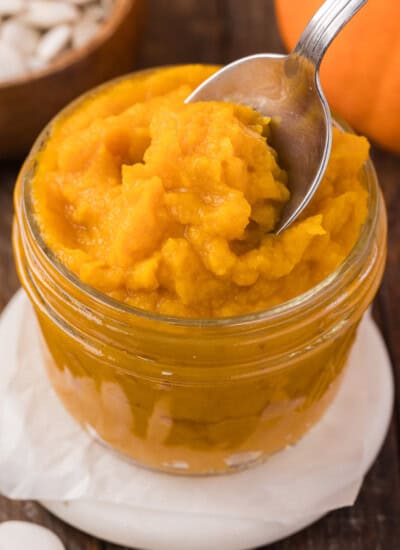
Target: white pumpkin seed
(54, 42)
(17, 34)
(21, 535)
(11, 7)
(12, 64)
(95, 13)
(45, 15)
(83, 32)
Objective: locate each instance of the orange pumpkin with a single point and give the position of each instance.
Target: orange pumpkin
(360, 73)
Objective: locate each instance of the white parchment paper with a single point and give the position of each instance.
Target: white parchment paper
(44, 455)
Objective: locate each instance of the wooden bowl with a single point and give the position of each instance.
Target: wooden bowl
(29, 102)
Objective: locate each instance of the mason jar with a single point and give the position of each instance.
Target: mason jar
(194, 396)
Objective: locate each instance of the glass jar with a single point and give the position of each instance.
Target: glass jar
(196, 396)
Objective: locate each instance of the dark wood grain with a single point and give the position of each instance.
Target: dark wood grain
(217, 31)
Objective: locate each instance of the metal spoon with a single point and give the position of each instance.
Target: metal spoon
(287, 89)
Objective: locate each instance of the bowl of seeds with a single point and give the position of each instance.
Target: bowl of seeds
(52, 51)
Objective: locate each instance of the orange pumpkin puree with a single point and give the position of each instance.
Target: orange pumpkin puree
(169, 207)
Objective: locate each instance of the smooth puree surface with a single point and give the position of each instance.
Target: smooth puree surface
(169, 207)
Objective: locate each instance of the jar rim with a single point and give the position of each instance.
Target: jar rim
(279, 312)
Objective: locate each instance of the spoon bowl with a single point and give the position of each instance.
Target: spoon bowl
(287, 89)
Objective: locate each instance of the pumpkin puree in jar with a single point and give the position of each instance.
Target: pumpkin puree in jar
(169, 207)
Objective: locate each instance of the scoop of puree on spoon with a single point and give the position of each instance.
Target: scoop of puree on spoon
(287, 89)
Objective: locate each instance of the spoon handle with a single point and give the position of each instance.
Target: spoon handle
(324, 26)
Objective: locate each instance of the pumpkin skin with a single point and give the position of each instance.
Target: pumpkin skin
(360, 73)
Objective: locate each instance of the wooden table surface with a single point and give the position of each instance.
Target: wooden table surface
(218, 31)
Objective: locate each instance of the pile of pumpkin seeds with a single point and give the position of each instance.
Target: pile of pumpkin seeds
(34, 33)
